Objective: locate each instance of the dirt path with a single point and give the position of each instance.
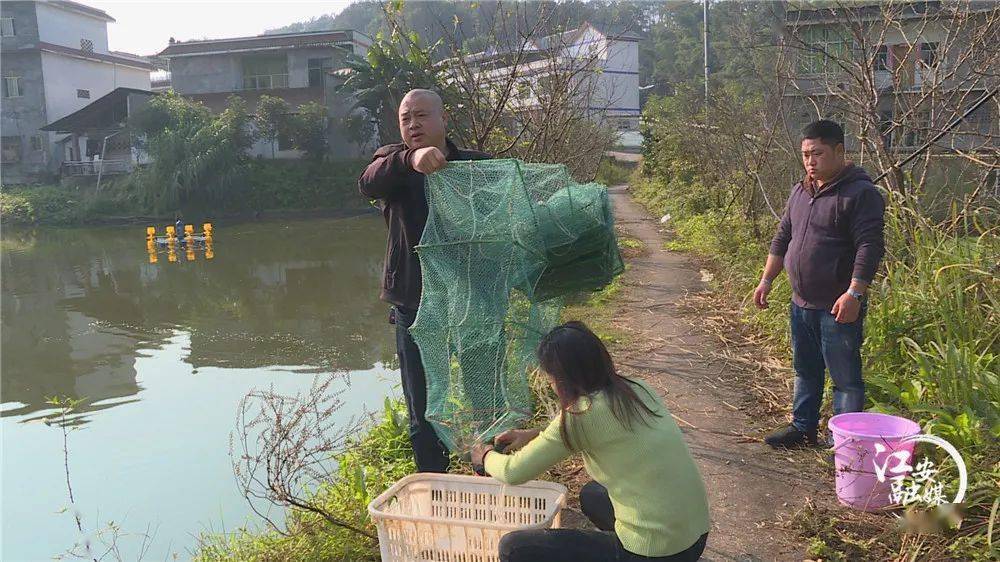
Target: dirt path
(751, 488)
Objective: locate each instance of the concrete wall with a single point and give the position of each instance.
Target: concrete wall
(204, 74)
(298, 64)
(622, 56)
(207, 74)
(618, 83)
(589, 42)
(339, 107)
(25, 25)
(65, 75)
(22, 116)
(66, 27)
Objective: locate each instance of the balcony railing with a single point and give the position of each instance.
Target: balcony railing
(264, 82)
(95, 167)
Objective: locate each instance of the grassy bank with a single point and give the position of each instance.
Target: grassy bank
(931, 354)
(266, 185)
(44, 204)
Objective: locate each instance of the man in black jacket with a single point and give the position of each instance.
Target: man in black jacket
(830, 241)
(395, 178)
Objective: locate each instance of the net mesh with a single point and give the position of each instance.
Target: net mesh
(505, 242)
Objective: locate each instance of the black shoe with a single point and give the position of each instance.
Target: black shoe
(791, 437)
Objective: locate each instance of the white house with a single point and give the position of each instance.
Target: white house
(55, 61)
(604, 65)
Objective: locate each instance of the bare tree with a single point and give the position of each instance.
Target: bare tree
(282, 445)
(535, 91)
(900, 74)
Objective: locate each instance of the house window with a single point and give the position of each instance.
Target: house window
(36, 142)
(11, 150)
(93, 147)
(265, 72)
(981, 120)
(917, 130)
(316, 68)
(523, 91)
(85, 94)
(12, 87)
(7, 27)
(882, 58)
(885, 127)
(86, 45)
(822, 48)
(929, 54)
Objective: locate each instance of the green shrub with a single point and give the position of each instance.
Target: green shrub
(304, 184)
(50, 205)
(610, 172)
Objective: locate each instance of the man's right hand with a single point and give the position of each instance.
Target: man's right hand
(760, 294)
(428, 160)
(514, 439)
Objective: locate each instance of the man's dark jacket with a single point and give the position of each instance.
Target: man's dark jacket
(829, 235)
(399, 188)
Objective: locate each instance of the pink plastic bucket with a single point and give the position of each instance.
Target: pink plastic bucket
(858, 461)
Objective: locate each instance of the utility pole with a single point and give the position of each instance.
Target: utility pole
(705, 4)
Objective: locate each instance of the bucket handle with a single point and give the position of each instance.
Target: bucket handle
(842, 443)
(845, 442)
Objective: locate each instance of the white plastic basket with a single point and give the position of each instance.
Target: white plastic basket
(453, 518)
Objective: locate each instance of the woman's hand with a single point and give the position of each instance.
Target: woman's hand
(478, 459)
(514, 439)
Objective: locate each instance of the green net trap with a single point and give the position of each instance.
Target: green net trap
(505, 242)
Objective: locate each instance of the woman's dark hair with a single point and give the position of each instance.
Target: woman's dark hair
(579, 365)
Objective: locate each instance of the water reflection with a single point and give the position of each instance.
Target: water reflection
(78, 305)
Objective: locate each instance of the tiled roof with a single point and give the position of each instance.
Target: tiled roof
(94, 113)
(78, 7)
(271, 41)
(555, 40)
(113, 56)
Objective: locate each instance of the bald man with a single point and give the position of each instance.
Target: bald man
(395, 178)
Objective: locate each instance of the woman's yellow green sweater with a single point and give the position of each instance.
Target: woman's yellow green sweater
(655, 488)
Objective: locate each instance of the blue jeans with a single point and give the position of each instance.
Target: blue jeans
(819, 342)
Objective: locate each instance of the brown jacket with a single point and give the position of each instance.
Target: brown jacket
(399, 189)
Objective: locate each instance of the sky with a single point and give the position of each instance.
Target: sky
(144, 27)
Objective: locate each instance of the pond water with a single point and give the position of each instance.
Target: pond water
(161, 352)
